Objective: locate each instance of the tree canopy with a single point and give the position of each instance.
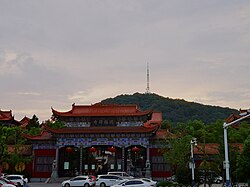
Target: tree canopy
(174, 110)
(179, 143)
(11, 136)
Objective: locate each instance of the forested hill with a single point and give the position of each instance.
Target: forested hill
(174, 110)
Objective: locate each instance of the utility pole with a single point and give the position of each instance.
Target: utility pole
(225, 126)
(193, 143)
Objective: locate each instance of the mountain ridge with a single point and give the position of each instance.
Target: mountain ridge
(173, 110)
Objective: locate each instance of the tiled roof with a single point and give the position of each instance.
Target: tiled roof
(6, 115)
(209, 149)
(235, 116)
(213, 148)
(156, 119)
(108, 129)
(24, 122)
(162, 133)
(45, 135)
(102, 110)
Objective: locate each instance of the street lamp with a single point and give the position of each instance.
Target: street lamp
(193, 143)
(243, 115)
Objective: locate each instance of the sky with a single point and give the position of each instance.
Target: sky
(54, 53)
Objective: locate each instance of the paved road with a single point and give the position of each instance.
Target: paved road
(42, 184)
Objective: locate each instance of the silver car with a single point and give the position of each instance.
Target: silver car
(20, 180)
(84, 181)
(133, 183)
(108, 180)
(150, 181)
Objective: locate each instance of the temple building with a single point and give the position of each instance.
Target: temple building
(24, 122)
(7, 119)
(99, 138)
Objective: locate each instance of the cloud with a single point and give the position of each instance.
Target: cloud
(10, 63)
(29, 93)
(97, 93)
(234, 99)
(55, 53)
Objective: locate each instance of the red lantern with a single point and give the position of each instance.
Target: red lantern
(135, 149)
(112, 149)
(69, 149)
(92, 149)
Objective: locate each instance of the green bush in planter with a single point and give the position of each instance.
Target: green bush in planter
(167, 183)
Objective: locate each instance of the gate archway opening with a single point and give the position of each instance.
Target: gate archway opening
(69, 161)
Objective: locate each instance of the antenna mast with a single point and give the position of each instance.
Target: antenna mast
(147, 89)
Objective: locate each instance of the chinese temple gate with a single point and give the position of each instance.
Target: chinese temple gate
(100, 138)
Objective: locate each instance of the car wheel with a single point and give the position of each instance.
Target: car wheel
(19, 184)
(67, 185)
(102, 184)
(86, 185)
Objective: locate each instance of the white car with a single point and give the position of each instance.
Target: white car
(133, 183)
(18, 179)
(119, 184)
(108, 180)
(85, 181)
(150, 181)
(4, 184)
(121, 174)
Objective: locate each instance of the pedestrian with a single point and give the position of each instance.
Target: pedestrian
(25, 184)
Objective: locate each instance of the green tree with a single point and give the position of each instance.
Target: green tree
(11, 136)
(3, 146)
(243, 162)
(55, 124)
(34, 122)
(33, 131)
(239, 134)
(179, 156)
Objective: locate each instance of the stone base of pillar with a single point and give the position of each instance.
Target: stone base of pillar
(53, 178)
(148, 170)
(148, 173)
(54, 174)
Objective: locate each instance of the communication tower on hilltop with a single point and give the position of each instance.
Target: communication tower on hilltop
(147, 89)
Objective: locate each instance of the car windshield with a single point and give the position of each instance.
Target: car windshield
(13, 177)
(122, 182)
(147, 180)
(4, 179)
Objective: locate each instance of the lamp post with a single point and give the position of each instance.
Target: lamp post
(193, 143)
(225, 126)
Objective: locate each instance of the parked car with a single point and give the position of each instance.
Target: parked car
(108, 180)
(133, 183)
(20, 180)
(210, 176)
(85, 181)
(8, 181)
(218, 179)
(2, 175)
(215, 179)
(121, 174)
(4, 184)
(173, 178)
(150, 181)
